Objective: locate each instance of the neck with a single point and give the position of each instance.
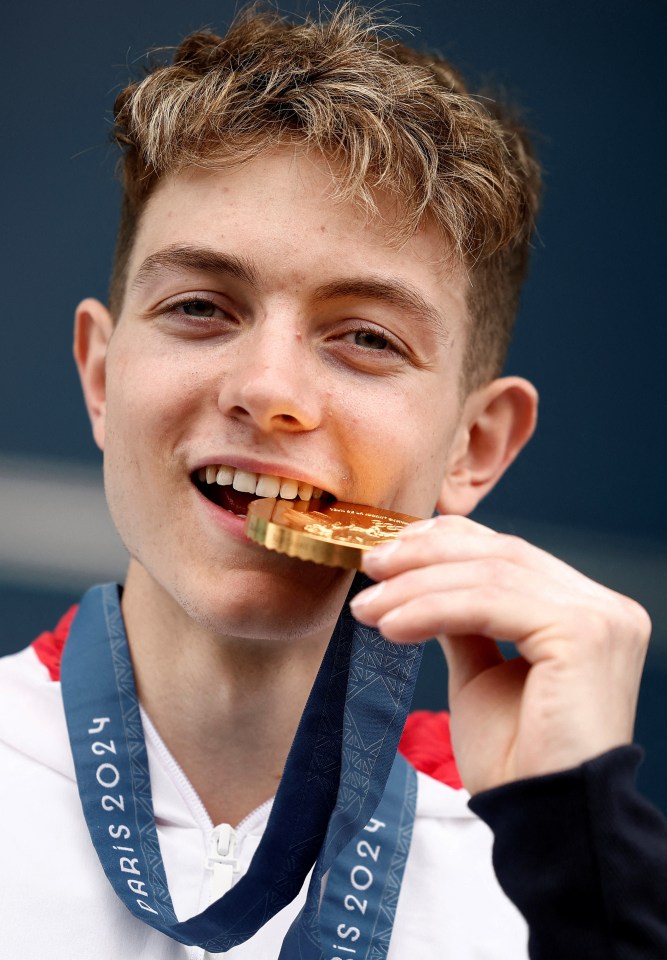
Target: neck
(226, 707)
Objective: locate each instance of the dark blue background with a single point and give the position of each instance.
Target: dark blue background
(591, 333)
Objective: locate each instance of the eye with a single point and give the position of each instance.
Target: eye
(195, 315)
(371, 340)
(198, 308)
(369, 347)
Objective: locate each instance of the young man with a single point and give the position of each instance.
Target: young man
(321, 246)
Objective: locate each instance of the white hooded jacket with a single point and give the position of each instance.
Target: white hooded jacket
(55, 900)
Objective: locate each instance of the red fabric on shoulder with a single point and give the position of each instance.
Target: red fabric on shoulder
(426, 744)
(49, 645)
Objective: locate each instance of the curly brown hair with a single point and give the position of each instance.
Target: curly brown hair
(391, 118)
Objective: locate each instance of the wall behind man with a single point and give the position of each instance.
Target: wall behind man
(591, 332)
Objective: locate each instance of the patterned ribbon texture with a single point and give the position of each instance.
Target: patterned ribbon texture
(326, 811)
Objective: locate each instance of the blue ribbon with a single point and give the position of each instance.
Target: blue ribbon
(355, 919)
(334, 779)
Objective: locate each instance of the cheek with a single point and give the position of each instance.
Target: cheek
(427, 438)
(144, 416)
(400, 442)
(148, 396)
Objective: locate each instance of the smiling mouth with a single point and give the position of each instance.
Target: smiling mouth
(234, 490)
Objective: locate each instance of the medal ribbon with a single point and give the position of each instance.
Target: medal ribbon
(334, 778)
(356, 917)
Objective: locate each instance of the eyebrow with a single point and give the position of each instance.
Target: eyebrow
(394, 293)
(202, 259)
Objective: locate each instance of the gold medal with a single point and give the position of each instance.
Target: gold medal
(336, 534)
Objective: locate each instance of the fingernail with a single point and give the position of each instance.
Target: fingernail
(367, 596)
(382, 551)
(389, 617)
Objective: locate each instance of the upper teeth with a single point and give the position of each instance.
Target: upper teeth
(263, 484)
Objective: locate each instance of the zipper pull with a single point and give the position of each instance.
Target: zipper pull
(221, 859)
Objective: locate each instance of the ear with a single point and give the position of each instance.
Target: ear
(497, 421)
(93, 327)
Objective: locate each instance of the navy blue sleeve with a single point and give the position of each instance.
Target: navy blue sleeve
(584, 857)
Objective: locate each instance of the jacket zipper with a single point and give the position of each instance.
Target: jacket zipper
(222, 858)
(223, 864)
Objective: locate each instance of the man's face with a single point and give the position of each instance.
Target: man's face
(269, 329)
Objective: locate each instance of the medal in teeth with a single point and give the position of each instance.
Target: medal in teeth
(289, 517)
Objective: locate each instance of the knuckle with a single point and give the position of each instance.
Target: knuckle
(452, 521)
(638, 619)
(595, 623)
(483, 623)
(513, 548)
(619, 619)
(497, 573)
(442, 523)
(494, 593)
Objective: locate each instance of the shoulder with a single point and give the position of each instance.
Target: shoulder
(32, 719)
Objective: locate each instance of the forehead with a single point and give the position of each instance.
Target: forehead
(279, 224)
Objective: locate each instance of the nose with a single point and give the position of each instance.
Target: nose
(271, 381)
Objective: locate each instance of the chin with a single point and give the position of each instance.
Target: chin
(290, 603)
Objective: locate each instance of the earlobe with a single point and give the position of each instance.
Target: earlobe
(93, 327)
(497, 421)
